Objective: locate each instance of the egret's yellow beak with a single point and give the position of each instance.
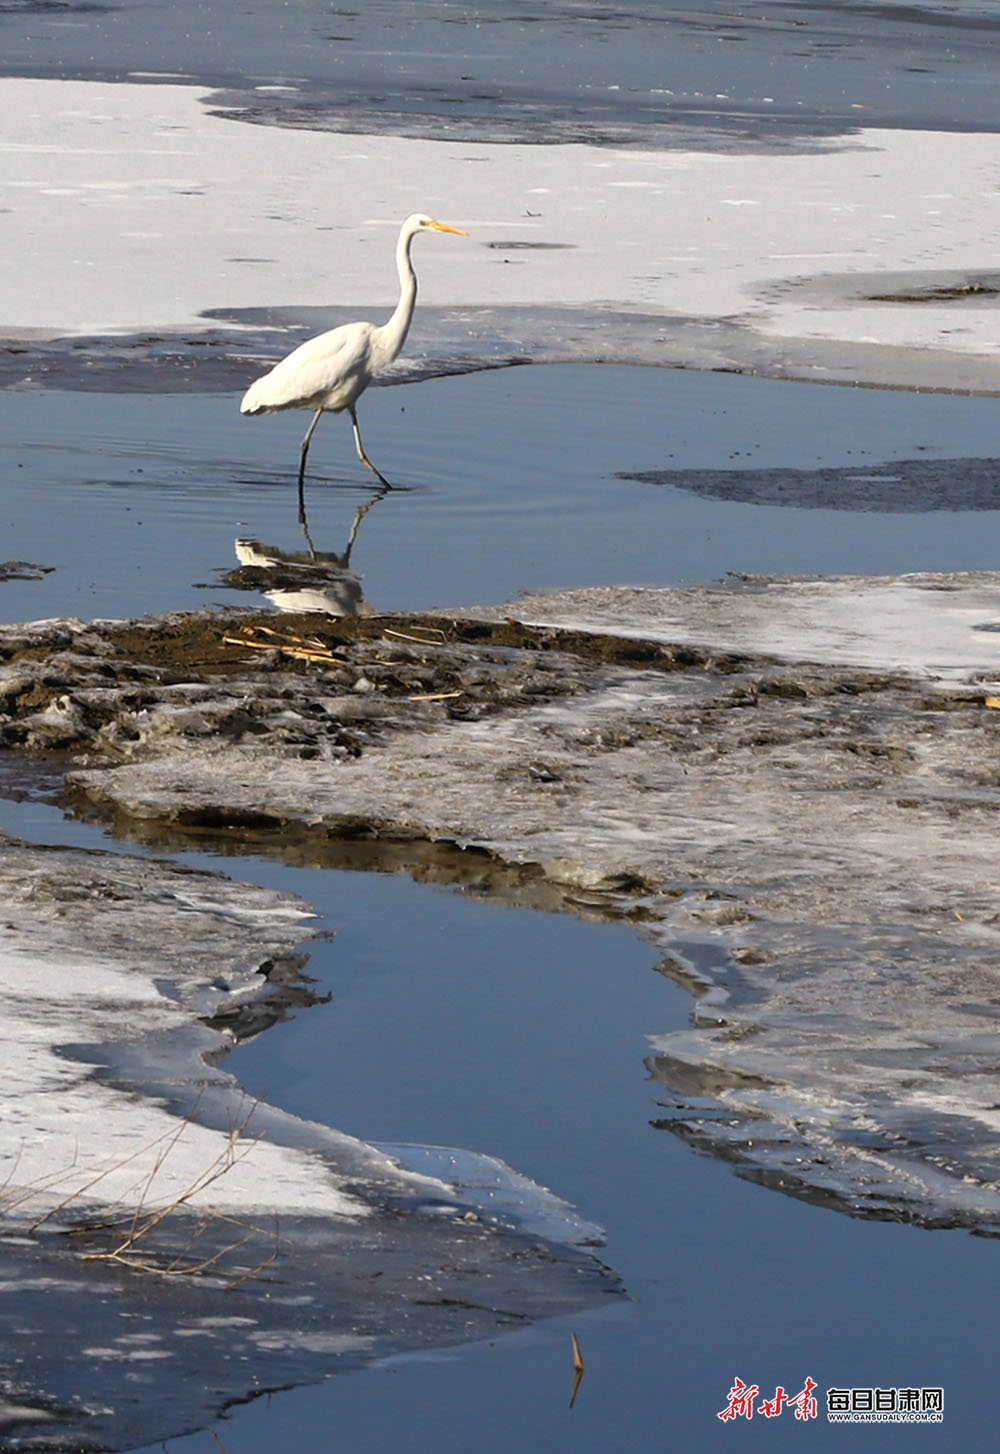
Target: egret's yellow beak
(443, 227)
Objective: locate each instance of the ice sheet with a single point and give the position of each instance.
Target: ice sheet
(171, 211)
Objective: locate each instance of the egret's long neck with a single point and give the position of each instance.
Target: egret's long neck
(394, 332)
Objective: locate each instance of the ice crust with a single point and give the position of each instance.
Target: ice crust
(809, 834)
(175, 216)
(941, 627)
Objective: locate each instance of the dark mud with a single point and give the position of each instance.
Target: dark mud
(906, 486)
(315, 687)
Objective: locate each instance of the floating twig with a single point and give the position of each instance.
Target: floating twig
(577, 1369)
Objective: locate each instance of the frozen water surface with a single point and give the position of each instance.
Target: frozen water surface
(717, 75)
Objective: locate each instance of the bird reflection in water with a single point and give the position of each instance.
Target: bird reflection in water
(304, 580)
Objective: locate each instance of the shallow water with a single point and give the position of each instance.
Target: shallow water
(524, 1035)
(135, 503)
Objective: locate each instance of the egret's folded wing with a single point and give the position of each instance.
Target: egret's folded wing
(326, 372)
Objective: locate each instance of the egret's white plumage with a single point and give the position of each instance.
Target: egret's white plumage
(330, 372)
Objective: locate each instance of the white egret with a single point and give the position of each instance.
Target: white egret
(330, 372)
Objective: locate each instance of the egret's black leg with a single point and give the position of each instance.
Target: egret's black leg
(361, 451)
(305, 527)
(302, 465)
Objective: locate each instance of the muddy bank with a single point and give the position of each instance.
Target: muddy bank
(809, 834)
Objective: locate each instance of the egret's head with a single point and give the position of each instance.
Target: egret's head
(422, 223)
